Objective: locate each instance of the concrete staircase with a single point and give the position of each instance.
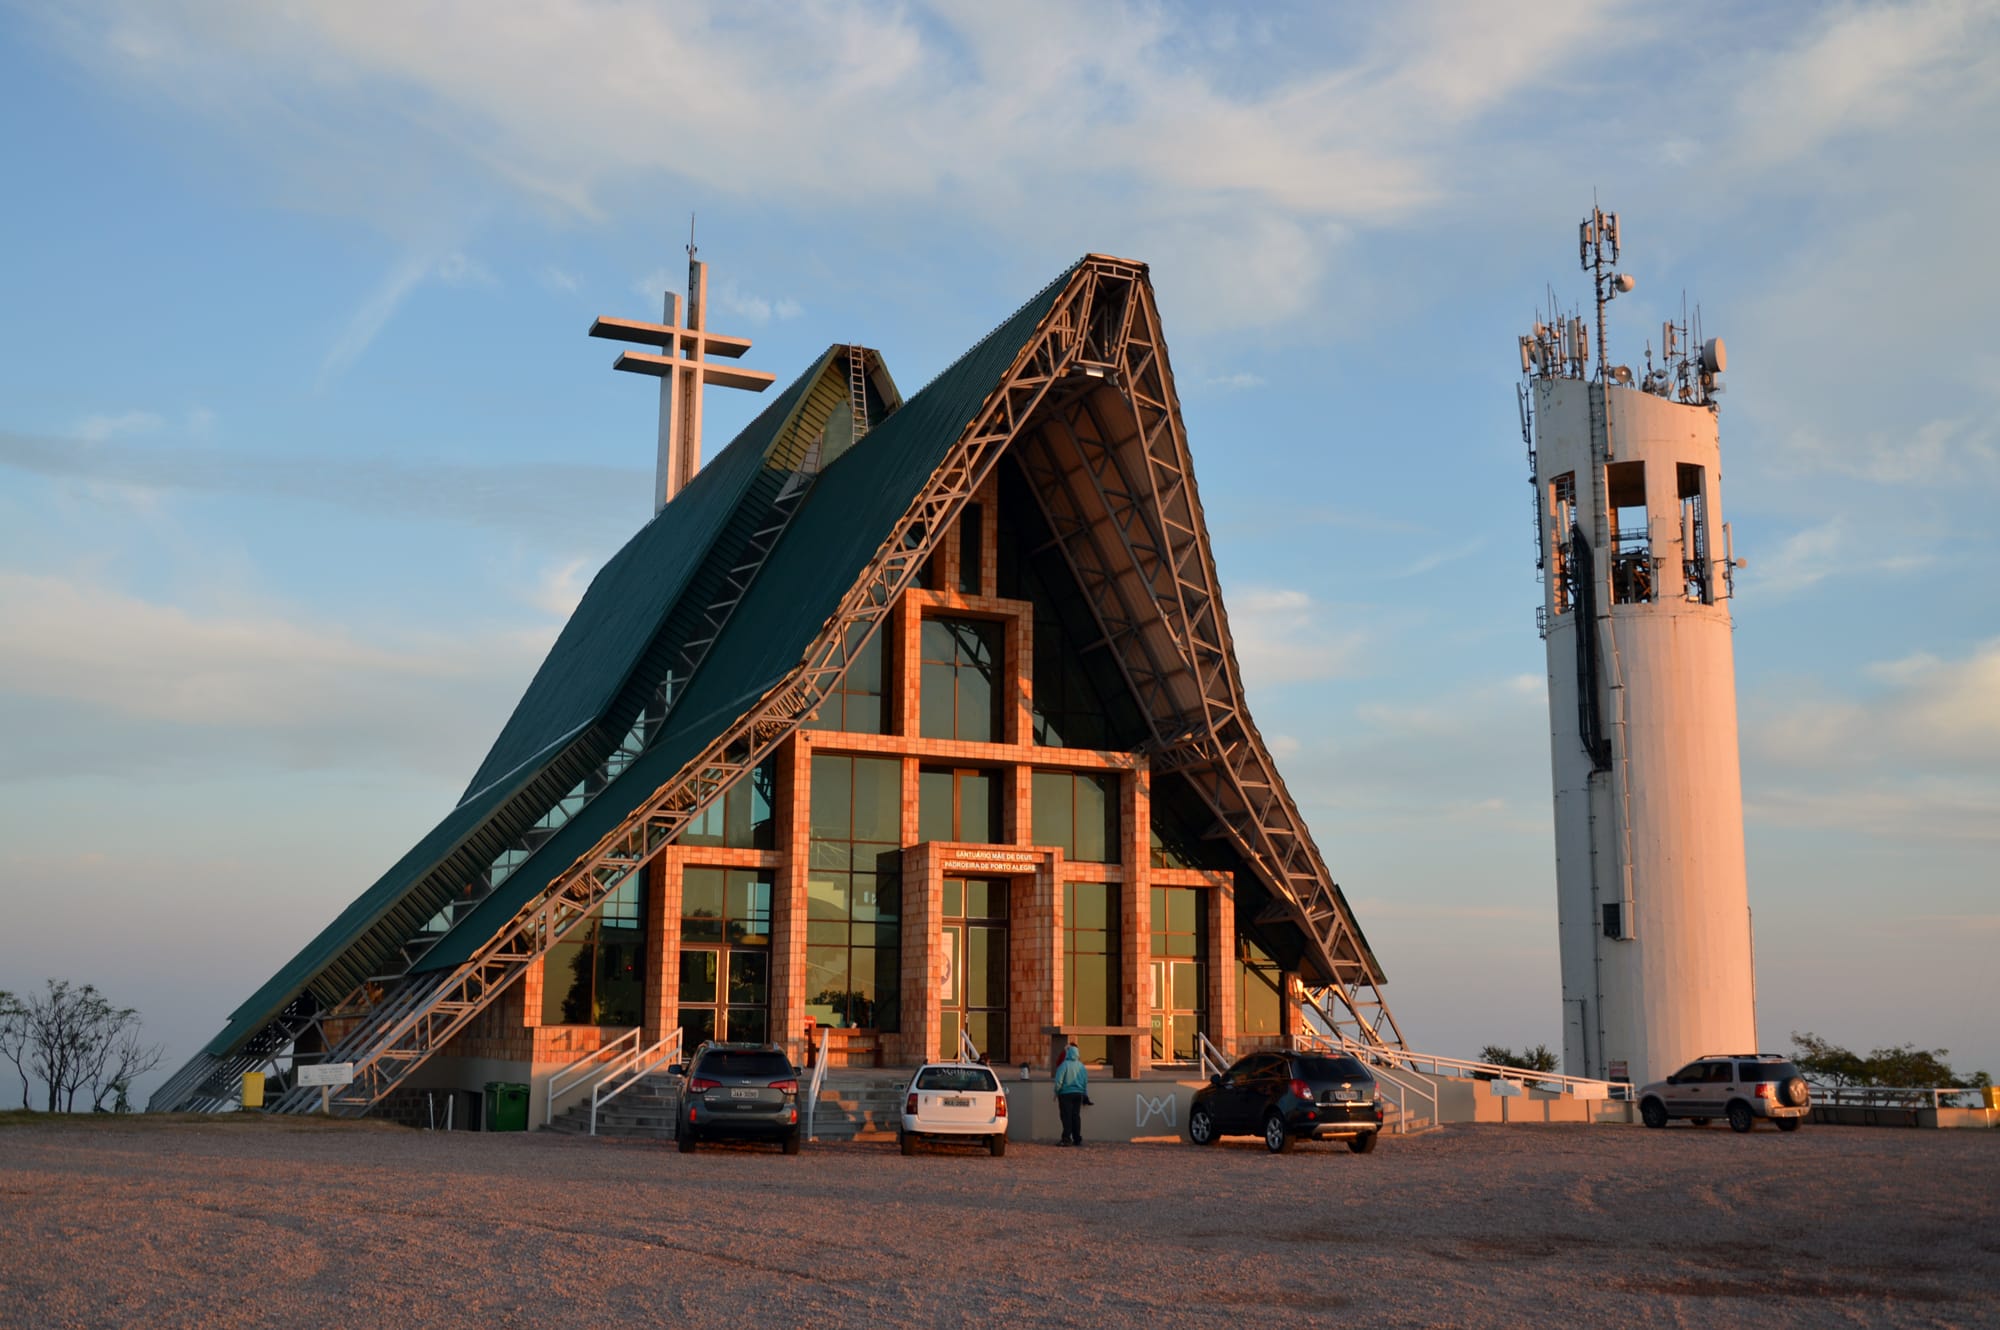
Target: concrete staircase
(645, 1111)
(860, 1104)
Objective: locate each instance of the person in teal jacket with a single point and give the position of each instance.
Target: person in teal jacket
(1072, 1089)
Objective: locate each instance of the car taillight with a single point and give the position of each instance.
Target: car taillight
(789, 1087)
(1000, 1107)
(1301, 1090)
(1766, 1090)
(910, 1105)
(700, 1083)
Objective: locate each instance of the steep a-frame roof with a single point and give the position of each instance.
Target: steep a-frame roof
(616, 630)
(1076, 382)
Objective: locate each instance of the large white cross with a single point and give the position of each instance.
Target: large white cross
(684, 370)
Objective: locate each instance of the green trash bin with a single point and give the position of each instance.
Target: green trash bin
(506, 1106)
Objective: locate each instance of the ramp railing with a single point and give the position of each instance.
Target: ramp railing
(591, 1067)
(629, 1071)
(967, 1050)
(818, 1079)
(1214, 1061)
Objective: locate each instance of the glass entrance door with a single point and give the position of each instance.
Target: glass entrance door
(973, 993)
(725, 987)
(1179, 966)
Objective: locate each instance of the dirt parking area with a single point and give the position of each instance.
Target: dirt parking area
(192, 1224)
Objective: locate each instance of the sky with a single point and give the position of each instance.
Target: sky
(305, 456)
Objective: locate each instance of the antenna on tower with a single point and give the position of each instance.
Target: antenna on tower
(1597, 249)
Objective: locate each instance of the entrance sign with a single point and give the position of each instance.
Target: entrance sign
(992, 861)
(325, 1075)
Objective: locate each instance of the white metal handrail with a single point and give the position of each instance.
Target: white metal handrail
(1400, 1086)
(818, 1077)
(1213, 1060)
(1890, 1096)
(629, 1071)
(1464, 1067)
(967, 1050)
(588, 1068)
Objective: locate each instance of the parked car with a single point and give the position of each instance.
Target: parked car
(1289, 1096)
(1742, 1087)
(738, 1092)
(954, 1101)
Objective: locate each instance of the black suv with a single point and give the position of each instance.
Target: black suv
(1286, 1097)
(738, 1092)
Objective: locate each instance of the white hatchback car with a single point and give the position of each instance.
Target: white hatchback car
(955, 1100)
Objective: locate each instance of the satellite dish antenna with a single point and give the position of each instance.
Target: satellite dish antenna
(1714, 356)
(1624, 281)
(1621, 374)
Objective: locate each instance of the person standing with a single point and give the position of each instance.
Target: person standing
(1072, 1089)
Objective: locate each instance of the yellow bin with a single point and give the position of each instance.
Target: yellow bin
(1992, 1094)
(253, 1089)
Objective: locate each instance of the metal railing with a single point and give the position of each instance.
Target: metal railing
(629, 1071)
(1213, 1060)
(1895, 1096)
(818, 1078)
(967, 1050)
(587, 1069)
(1407, 1090)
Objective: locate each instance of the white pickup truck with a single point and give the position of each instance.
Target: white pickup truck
(954, 1100)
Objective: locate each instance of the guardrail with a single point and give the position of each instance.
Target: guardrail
(1213, 1060)
(812, 1091)
(588, 1069)
(633, 1068)
(1895, 1096)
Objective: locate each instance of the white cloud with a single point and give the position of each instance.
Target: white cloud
(1236, 382)
(561, 586)
(1283, 636)
(98, 428)
(1825, 551)
(555, 279)
(380, 306)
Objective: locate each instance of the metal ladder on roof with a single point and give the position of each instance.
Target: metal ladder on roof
(857, 388)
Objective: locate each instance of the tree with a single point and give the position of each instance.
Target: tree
(14, 1037)
(1904, 1065)
(1538, 1058)
(73, 1037)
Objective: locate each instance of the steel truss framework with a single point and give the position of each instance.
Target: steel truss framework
(1091, 399)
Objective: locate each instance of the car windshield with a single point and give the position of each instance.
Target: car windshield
(958, 1079)
(1769, 1071)
(1333, 1069)
(749, 1063)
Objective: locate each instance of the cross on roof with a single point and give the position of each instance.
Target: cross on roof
(684, 370)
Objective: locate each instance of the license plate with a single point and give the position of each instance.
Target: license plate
(957, 1101)
(1346, 1096)
(750, 1093)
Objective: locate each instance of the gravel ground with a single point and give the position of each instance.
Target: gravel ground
(210, 1224)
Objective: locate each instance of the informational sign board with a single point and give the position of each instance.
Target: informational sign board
(1619, 1072)
(325, 1073)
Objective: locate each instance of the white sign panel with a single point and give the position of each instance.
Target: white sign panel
(326, 1073)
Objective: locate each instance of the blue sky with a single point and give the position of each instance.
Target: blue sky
(304, 454)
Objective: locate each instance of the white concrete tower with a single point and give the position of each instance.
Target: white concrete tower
(1653, 905)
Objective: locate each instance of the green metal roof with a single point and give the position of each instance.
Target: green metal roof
(830, 544)
(607, 637)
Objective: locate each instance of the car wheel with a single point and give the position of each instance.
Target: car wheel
(1201, 1127)
(997, 1146)
(684, 1138)
(1276, 1139)
(906, 1142)
(1739, 1117)
(1789, 1124)
(1653, 1113)
(1364, 1143)
(792, 1144)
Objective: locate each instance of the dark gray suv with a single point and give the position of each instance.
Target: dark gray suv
(738, 1092)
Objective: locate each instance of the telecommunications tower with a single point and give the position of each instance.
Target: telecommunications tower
(1652, 902)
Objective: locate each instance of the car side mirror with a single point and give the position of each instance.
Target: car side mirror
(1673, 1080)
(677, 1069)
(1218, 1080)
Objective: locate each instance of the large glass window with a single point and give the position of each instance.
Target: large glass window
(597, 975)
(1179, 972)
(1090, 962)
(1260, 986)
(741, 818)
(961, 689)
(854, 884)
(958, 805)
(858, 704)
(1079, 813)
(725, 990)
